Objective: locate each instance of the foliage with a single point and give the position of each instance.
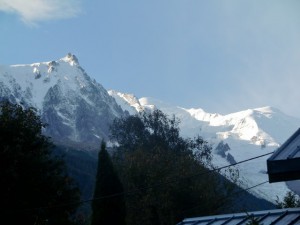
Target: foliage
(148, 130)
(33, 181)
(253, 220)
(110, 210)
(291, 200)
(82, 167)
(167, 173)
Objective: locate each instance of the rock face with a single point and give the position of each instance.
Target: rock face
(76, 108)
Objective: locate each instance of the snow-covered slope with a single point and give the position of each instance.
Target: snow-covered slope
(80, 110)
(128, 102)
(234, 137)
(77, 108)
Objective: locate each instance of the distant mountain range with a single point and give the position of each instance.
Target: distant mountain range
(79, 111)
(234, 137)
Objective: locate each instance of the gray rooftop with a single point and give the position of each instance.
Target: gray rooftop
(290, 149)
(274, 217)
(284, 164)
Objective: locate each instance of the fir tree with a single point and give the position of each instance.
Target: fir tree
(108, 205)
(290, 200)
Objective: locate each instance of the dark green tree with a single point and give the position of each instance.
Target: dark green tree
(34, 183)
(162, 169)
(290, 200)
(253, 220)
(108, 205)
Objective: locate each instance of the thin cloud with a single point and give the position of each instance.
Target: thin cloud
(34, 11)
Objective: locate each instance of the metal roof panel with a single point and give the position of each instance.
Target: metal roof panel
(288, 147)
(276, 217)
(284, 164)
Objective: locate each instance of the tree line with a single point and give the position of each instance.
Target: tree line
(156, 168)
(150, 176)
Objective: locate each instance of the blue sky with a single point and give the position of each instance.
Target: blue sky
(222, 56)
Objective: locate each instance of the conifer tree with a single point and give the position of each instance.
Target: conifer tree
(108, 205)
(290, 200)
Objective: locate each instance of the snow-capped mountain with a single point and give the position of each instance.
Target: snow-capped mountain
(266, 126)
(79, 110)
(234, 137)
(75, 107)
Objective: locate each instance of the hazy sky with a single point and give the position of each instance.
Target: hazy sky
(222, 56)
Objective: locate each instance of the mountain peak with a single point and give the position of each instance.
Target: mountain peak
(71, 59)
(128, 102)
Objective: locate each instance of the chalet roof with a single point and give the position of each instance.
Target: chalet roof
(275, 217)
(284, 164)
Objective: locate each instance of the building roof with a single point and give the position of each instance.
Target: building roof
(290, 149)
(274, 217)
(284, 164)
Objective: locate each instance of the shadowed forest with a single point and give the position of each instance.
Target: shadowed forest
(149, 174)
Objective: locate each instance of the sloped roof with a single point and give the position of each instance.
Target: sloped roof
(268, 217)
(290, 149)
(284, 164)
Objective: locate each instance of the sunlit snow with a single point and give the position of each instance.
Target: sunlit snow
(248, 133)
